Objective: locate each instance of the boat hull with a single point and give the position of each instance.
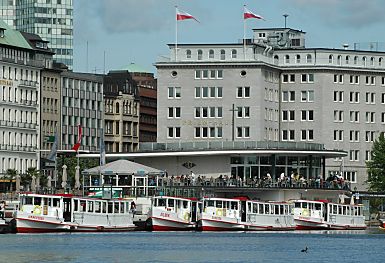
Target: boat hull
(35, 226)
(217, 225)
(312, 225)
(162, 224)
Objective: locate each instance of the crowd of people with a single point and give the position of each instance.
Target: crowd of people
(294, 180)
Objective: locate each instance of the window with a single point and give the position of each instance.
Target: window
(307, 115)
(197, 92)
(173, 132)
(354, 79)
(354, 116)
(338, 116)
(370, 117)
(288, 115)
(243, 112)
(354, 155)
(308, 58)
(331, 59)
(370, 98)
(347, 60)
(307, 78)
(307, 135)
(338, 78)
(243, 132)
(233, 53)
(354, 136)
(370, 136)
(338, 135)
(188, 53)
(297, 59)
(370, 80)
(307, 96)
(288, 78)
(354, 97)
(174, 92)
(338, 96)
(287, 59)
(200, 54)
(211, 54)
(243, 92)
(223, 54)
(288, 96)
(205, 74)
(287, 135)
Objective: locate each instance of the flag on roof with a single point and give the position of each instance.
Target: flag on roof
(248, 14)
(181, 15)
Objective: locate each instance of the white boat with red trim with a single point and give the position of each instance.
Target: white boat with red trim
(242, 214)
(63, 212)
(169, 213)
(322, 214)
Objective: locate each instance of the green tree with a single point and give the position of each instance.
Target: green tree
(376, 166)
(26, 178)
(11, 175)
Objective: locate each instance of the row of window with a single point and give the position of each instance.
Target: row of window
(306, 96)
(208, 132)
(289, 115)
(305, 78)
(354, 97)
(19, 164)
(211, 54)
(208, 74)
(289, 135)
(354, 136)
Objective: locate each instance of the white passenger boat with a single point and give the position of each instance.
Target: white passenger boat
(241, 214)
(64, 212)
(321, 214)
(169, 213)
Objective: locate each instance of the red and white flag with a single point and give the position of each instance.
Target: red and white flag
(180, 15)
(248, 14)
(77, 145)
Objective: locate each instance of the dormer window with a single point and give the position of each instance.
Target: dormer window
(2, 32)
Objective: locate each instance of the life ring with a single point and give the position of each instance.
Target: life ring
(219, 212)
(37, 210)
(186, 216)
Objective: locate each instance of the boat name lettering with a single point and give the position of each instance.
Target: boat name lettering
(36, 217)
(164, 214)
(216, 217)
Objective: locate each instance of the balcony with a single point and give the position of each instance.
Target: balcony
(17, 148)
(28, 84)
(28, 103)
(16, 124)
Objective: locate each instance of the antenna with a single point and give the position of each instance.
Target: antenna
(87, 58)
(104, 62)
(285, 15)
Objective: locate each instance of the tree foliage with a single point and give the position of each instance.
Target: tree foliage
(376, 166)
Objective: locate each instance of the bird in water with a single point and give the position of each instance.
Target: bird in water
(304, 250)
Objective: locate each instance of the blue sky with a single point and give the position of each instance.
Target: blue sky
(138, 31)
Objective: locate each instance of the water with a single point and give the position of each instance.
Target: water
(326, 246)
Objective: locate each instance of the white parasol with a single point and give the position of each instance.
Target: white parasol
(64, 177)
(49, 181)
(33, 183)
(77, 177)
(17, 183)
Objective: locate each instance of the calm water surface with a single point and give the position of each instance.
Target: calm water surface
(327, 246)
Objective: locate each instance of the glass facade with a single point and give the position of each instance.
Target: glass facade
(52, 20)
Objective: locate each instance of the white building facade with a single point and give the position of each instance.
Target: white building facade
(273, 88)
(20, 69)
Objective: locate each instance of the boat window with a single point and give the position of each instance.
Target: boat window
(90, 206)
(185, 204)
(37, 201)
(82, 205)
(116, 207)
(127, 206)
(45, 201)
(249, 208)
(281, 209)
(261, 210)
(97, 207)
(103, 205)
(286, 209)
(178, 203)
(210, 203)
(267, 210)
(255, 208)
(170, 202)
(317, 206)
(297, 205)
(218, 204)
(276, 209)
(335, 209)
(121, 205)
(304, 205)
(49, 202)
(76, 205)
(161, 202)
(348, 210)
(344, 210)
(55, 202)
(340, 210)
(109, 207)
(234, 205)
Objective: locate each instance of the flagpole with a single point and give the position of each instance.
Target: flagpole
(244, 33)
(176, 33)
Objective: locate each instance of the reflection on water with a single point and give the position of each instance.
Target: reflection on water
(324, 246)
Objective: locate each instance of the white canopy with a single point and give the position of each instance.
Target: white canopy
(122, 167)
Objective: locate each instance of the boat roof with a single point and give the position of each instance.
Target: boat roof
(176, 197)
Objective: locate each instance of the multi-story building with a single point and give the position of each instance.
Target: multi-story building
(51, 19)
(273, 88)
(82, 104)
(22, 58)
(146, 84)
(121, 112)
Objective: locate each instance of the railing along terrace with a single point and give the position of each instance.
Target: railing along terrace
(229, 145)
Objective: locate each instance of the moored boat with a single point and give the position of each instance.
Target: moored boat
(321, 214)
(169, 213)
(241, 214)
(39, 213)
